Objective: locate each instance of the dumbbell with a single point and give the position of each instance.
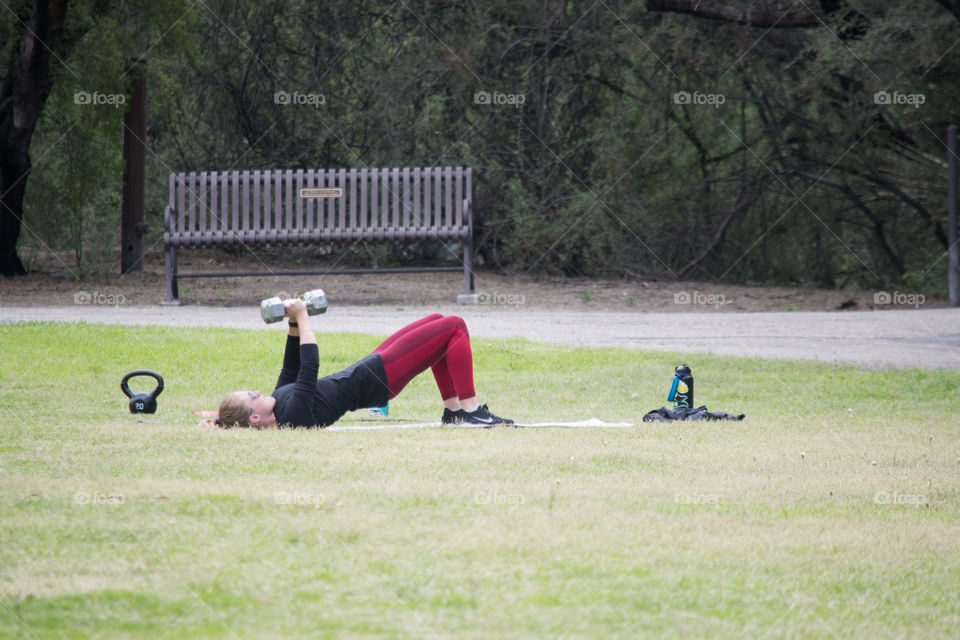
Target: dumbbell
(271, 309)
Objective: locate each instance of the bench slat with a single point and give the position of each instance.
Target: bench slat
(192, 206)
(417, 176)
(406, 197)
(395, 202)
(468, 196)
(215, 225)
(256, 205)
(437, 220)
(314, 223)
(245, 201)
(364, 210)
(278, 183)
(325, 204)
(268, 205)
(341, 201)
(202, 201)
(181, 208)
(448, 193)
(352, 197)
(458, 197)
(330, 204)
(313, 235)
(374, 220)
(383, 211)
(288, 220)
(299, 205)
(427, 214)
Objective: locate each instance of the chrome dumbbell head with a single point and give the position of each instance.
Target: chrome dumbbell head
(271, 310)
(316, 301)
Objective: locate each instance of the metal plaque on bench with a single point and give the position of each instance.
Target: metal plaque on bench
(321, 193)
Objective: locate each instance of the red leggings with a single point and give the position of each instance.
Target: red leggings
(441, 343)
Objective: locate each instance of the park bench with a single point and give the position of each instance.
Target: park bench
(338, 206)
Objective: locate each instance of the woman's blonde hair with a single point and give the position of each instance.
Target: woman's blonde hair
(233, 412)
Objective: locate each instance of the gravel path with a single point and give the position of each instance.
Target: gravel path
(928, 339)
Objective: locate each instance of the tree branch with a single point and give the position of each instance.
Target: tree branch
(741, 204)
(851, 195)
(764, 18)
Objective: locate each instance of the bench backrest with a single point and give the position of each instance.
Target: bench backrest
(265, 206)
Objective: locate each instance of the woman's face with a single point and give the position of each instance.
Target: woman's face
(261, 408)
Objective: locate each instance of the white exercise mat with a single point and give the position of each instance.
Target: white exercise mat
(591, 423)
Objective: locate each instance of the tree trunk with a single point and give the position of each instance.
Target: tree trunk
(132, 227)
(24, 89)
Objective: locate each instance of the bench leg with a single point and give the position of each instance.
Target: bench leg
(469, 295)
(173, 290)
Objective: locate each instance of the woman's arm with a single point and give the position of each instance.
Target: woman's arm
(297, 311)
(306, 382)
(291, 353)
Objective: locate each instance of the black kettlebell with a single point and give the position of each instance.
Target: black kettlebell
(142, 402)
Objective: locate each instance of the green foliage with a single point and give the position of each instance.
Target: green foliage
(74, 192)
(786, 170)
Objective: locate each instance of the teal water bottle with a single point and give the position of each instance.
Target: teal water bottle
(681, 390)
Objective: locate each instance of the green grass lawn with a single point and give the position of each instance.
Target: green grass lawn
(831, 511)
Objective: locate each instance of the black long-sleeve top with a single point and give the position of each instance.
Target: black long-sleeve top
(304, 401)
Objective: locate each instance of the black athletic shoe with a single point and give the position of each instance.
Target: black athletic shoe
(482, 416)
(451, 417)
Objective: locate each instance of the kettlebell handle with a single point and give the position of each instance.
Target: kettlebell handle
(142, 372)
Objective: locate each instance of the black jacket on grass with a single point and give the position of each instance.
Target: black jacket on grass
(304, 401)
(683, 413)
